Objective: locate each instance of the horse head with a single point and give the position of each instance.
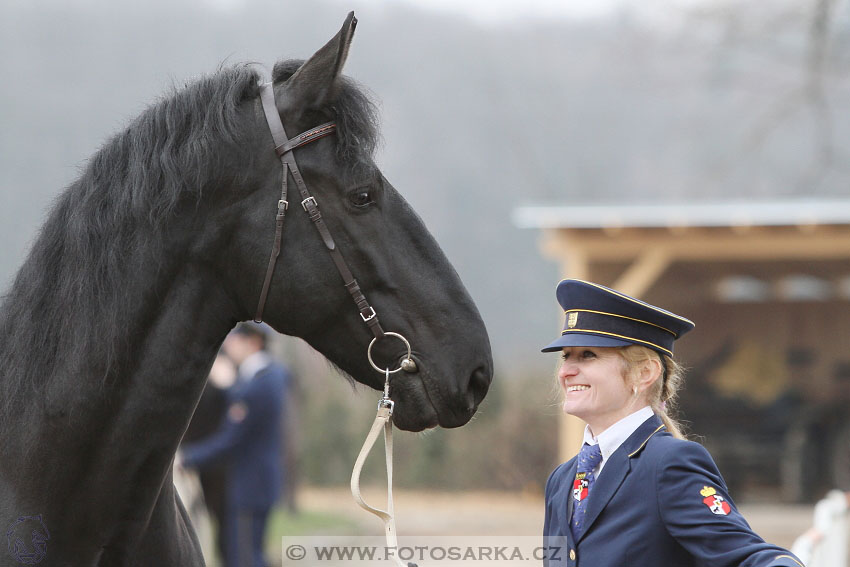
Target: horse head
(397, 263)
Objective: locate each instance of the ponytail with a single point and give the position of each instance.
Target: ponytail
(661, 395)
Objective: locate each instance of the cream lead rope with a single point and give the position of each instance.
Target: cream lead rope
(383, 421)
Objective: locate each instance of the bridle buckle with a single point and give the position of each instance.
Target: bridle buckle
(310, 198)
(367, 318)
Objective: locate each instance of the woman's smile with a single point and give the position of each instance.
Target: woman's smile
(595, 390)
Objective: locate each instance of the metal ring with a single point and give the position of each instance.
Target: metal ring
(372, 362)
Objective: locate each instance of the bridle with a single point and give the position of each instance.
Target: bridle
(284, 147)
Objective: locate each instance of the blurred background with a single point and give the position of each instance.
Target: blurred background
(538, 140)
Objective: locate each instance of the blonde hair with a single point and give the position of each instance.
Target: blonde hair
(662, 393)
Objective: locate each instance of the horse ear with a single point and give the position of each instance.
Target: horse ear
(314, 83)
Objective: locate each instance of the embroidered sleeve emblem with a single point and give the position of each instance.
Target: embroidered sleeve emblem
(716, 503)
(580, 487)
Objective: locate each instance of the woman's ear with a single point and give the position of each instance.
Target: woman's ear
(650, 371)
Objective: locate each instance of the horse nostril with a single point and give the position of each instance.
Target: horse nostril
(479, 383)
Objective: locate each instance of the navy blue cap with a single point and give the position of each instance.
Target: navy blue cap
(598, 316)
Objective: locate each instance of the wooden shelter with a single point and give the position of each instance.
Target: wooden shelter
(767, 284)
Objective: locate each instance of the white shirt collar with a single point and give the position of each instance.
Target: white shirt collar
(253, 364)
(611, 439)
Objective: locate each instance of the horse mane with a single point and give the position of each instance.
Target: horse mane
(67, 302)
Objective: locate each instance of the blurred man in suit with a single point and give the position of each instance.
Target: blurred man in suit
(208, 417)
(250, 441)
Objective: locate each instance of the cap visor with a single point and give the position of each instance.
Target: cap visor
(583, 340)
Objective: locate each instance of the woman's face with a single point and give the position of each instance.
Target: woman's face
(595, 390)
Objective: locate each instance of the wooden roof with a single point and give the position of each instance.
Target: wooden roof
(793, 212)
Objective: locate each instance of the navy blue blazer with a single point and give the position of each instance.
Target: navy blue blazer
(249, 440)
(659, 501)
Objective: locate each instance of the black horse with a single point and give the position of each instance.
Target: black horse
(150, 258)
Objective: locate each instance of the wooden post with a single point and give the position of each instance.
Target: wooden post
(574, 264)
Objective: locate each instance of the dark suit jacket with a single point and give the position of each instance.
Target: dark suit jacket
(658, 502)
(249, 439)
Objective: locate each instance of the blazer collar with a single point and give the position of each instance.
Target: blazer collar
(615, 471)
(638, 440)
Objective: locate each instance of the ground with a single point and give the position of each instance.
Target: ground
(333, 511)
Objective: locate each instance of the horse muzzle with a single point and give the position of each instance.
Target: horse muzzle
(423, 402)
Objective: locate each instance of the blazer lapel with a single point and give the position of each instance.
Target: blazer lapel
(567, 511)
(616, 468)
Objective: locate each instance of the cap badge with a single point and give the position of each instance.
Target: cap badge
(572, 320)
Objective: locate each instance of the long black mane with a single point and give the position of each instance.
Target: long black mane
(67, 300)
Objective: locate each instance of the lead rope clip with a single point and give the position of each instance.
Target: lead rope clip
(386, 402)
(383, 421)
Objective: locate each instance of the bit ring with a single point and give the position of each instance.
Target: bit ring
(387, 370)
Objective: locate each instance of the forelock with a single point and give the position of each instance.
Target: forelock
(355, 112)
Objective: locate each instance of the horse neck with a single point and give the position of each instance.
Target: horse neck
(118, 257)
(99, 398)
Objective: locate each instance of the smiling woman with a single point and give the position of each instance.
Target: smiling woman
(594, 386)
(637, 493)
(622, 373)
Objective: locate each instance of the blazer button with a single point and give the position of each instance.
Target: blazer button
(572, 555)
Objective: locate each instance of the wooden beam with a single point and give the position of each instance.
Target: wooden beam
(644, 272)
(714, 246)
(572, 256)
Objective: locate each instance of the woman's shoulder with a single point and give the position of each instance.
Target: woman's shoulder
(664, 442)
(663, 439)
(563, 468)
(679, 454)
(559, 475)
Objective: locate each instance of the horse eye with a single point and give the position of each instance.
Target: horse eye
(361, 198)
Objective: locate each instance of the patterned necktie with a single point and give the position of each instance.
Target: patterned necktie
(588, 459)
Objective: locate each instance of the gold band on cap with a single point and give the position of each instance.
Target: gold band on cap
(675, 336)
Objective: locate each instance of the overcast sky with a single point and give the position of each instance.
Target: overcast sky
(500, 12)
